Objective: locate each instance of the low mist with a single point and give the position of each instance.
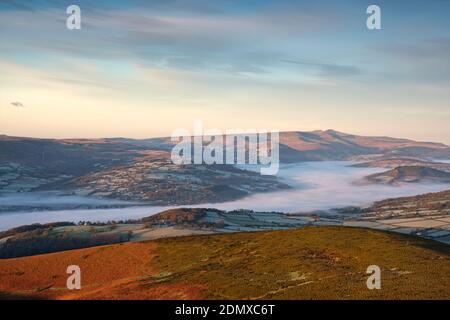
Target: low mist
(315, 186)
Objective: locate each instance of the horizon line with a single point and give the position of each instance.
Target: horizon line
(168, 136)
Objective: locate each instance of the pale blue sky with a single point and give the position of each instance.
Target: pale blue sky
(144, 68)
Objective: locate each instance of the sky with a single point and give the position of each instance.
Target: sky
(143, 69)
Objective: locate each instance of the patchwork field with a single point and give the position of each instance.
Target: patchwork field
(307, 263)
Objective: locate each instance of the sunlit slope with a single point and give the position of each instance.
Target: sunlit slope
(307, 263)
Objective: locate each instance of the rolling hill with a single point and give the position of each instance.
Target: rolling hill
(307, 263)
(141, 170)
(392, 163)
(410, 174)
(425, 215)
(334, 145)
(295, 146)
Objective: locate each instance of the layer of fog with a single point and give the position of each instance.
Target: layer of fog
(10, 220)
(316, 185)
(54, 199)
(326, 185)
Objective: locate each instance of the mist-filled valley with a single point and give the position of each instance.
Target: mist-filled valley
(317, 185)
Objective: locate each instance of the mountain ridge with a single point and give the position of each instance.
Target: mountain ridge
(141, 170)
(330, 132)
(295, 146)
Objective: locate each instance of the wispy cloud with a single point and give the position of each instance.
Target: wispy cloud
(314, 60)
(329, 69)
(163, 39)
(17, 104)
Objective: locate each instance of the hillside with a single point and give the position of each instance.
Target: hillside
(160, 182)
(410, 174)
(430, 204)
(424, 215)
(294, 146)
(393, 163)
(334, 145)
(307, 263)
(37, 239)
(141, 170)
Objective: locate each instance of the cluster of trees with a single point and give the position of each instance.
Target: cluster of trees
(41, 241)
(107, 223)
(33, 227)
(174, 217)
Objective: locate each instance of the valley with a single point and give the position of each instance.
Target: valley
(338, 204)
(426, 216)
(141, 170)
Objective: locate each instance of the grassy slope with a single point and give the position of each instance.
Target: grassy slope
(307, 263)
